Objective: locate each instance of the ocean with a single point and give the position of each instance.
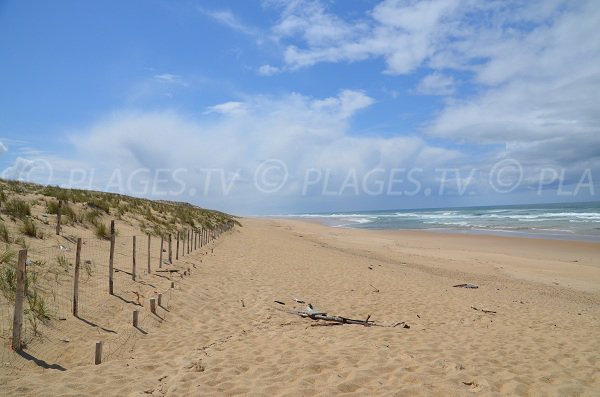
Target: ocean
(573, 221)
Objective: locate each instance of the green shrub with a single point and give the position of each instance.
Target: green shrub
(8, 275)
(29, 228)
(4, 234)
(100, 204)
(63, 262)
(102, 231)
(52, 207)
(17, 208)
(92, 216)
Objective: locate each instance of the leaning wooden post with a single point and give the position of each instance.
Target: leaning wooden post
(111, 257)
(136, 315)
(98, 353)
(133, 262)
(160, 256)
(177, 248)
(76, 278)
(19, 300)
(195, 239)
(170, 249)
(159, 300)
(153, 305)
(58, 217)
(149, 238)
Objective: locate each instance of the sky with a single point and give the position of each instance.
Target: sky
(275, 106)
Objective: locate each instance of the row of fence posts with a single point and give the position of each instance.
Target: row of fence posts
(196, 238)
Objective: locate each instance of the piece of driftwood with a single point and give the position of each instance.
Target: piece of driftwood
(336, 319)
(374, 288)
(345, 320)
(473, 286)
(167, 271)
(483, 310)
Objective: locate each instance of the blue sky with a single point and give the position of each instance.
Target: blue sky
(294, 106)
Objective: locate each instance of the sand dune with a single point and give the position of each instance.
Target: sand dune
(224, 335)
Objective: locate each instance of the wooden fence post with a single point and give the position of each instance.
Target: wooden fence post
(98, 353)
(58, 217)
(160, 257)
(189, 239)
(153, 305)
(170, 249)
(183, 243)
(133, 262)
(136, 315)
(159, 300)
(111, 257)
(177, 248)
(19, 298)
(76, 279)
(149, 238)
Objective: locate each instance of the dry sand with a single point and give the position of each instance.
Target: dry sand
(544, 338)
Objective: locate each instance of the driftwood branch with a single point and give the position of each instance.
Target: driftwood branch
(344, 320)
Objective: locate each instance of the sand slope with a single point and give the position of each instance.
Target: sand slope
(543, 340)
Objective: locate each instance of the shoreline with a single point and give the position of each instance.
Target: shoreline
(571, 263)
(490, 232)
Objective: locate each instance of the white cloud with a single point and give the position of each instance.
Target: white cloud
(228, 108)
(3, 148)
(531, 67)
(346, 104)
(169, 78)
(305, 133)
(405, 35)
(19, 169)
(229, 19)
(436, 84)
(268, 70)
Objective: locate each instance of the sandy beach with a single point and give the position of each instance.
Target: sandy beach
(531, 328)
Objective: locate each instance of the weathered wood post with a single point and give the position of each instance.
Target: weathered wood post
(133, 261)
(58, 217)
(136, 316)
(177, 248)
(76, 279)
(153, 305)
(159, 300)
(149, 238)
(19, 300)
(160, 257)
(98, 353)
(111, 257)
(183, 243)
(189, 239)
(170, 249)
